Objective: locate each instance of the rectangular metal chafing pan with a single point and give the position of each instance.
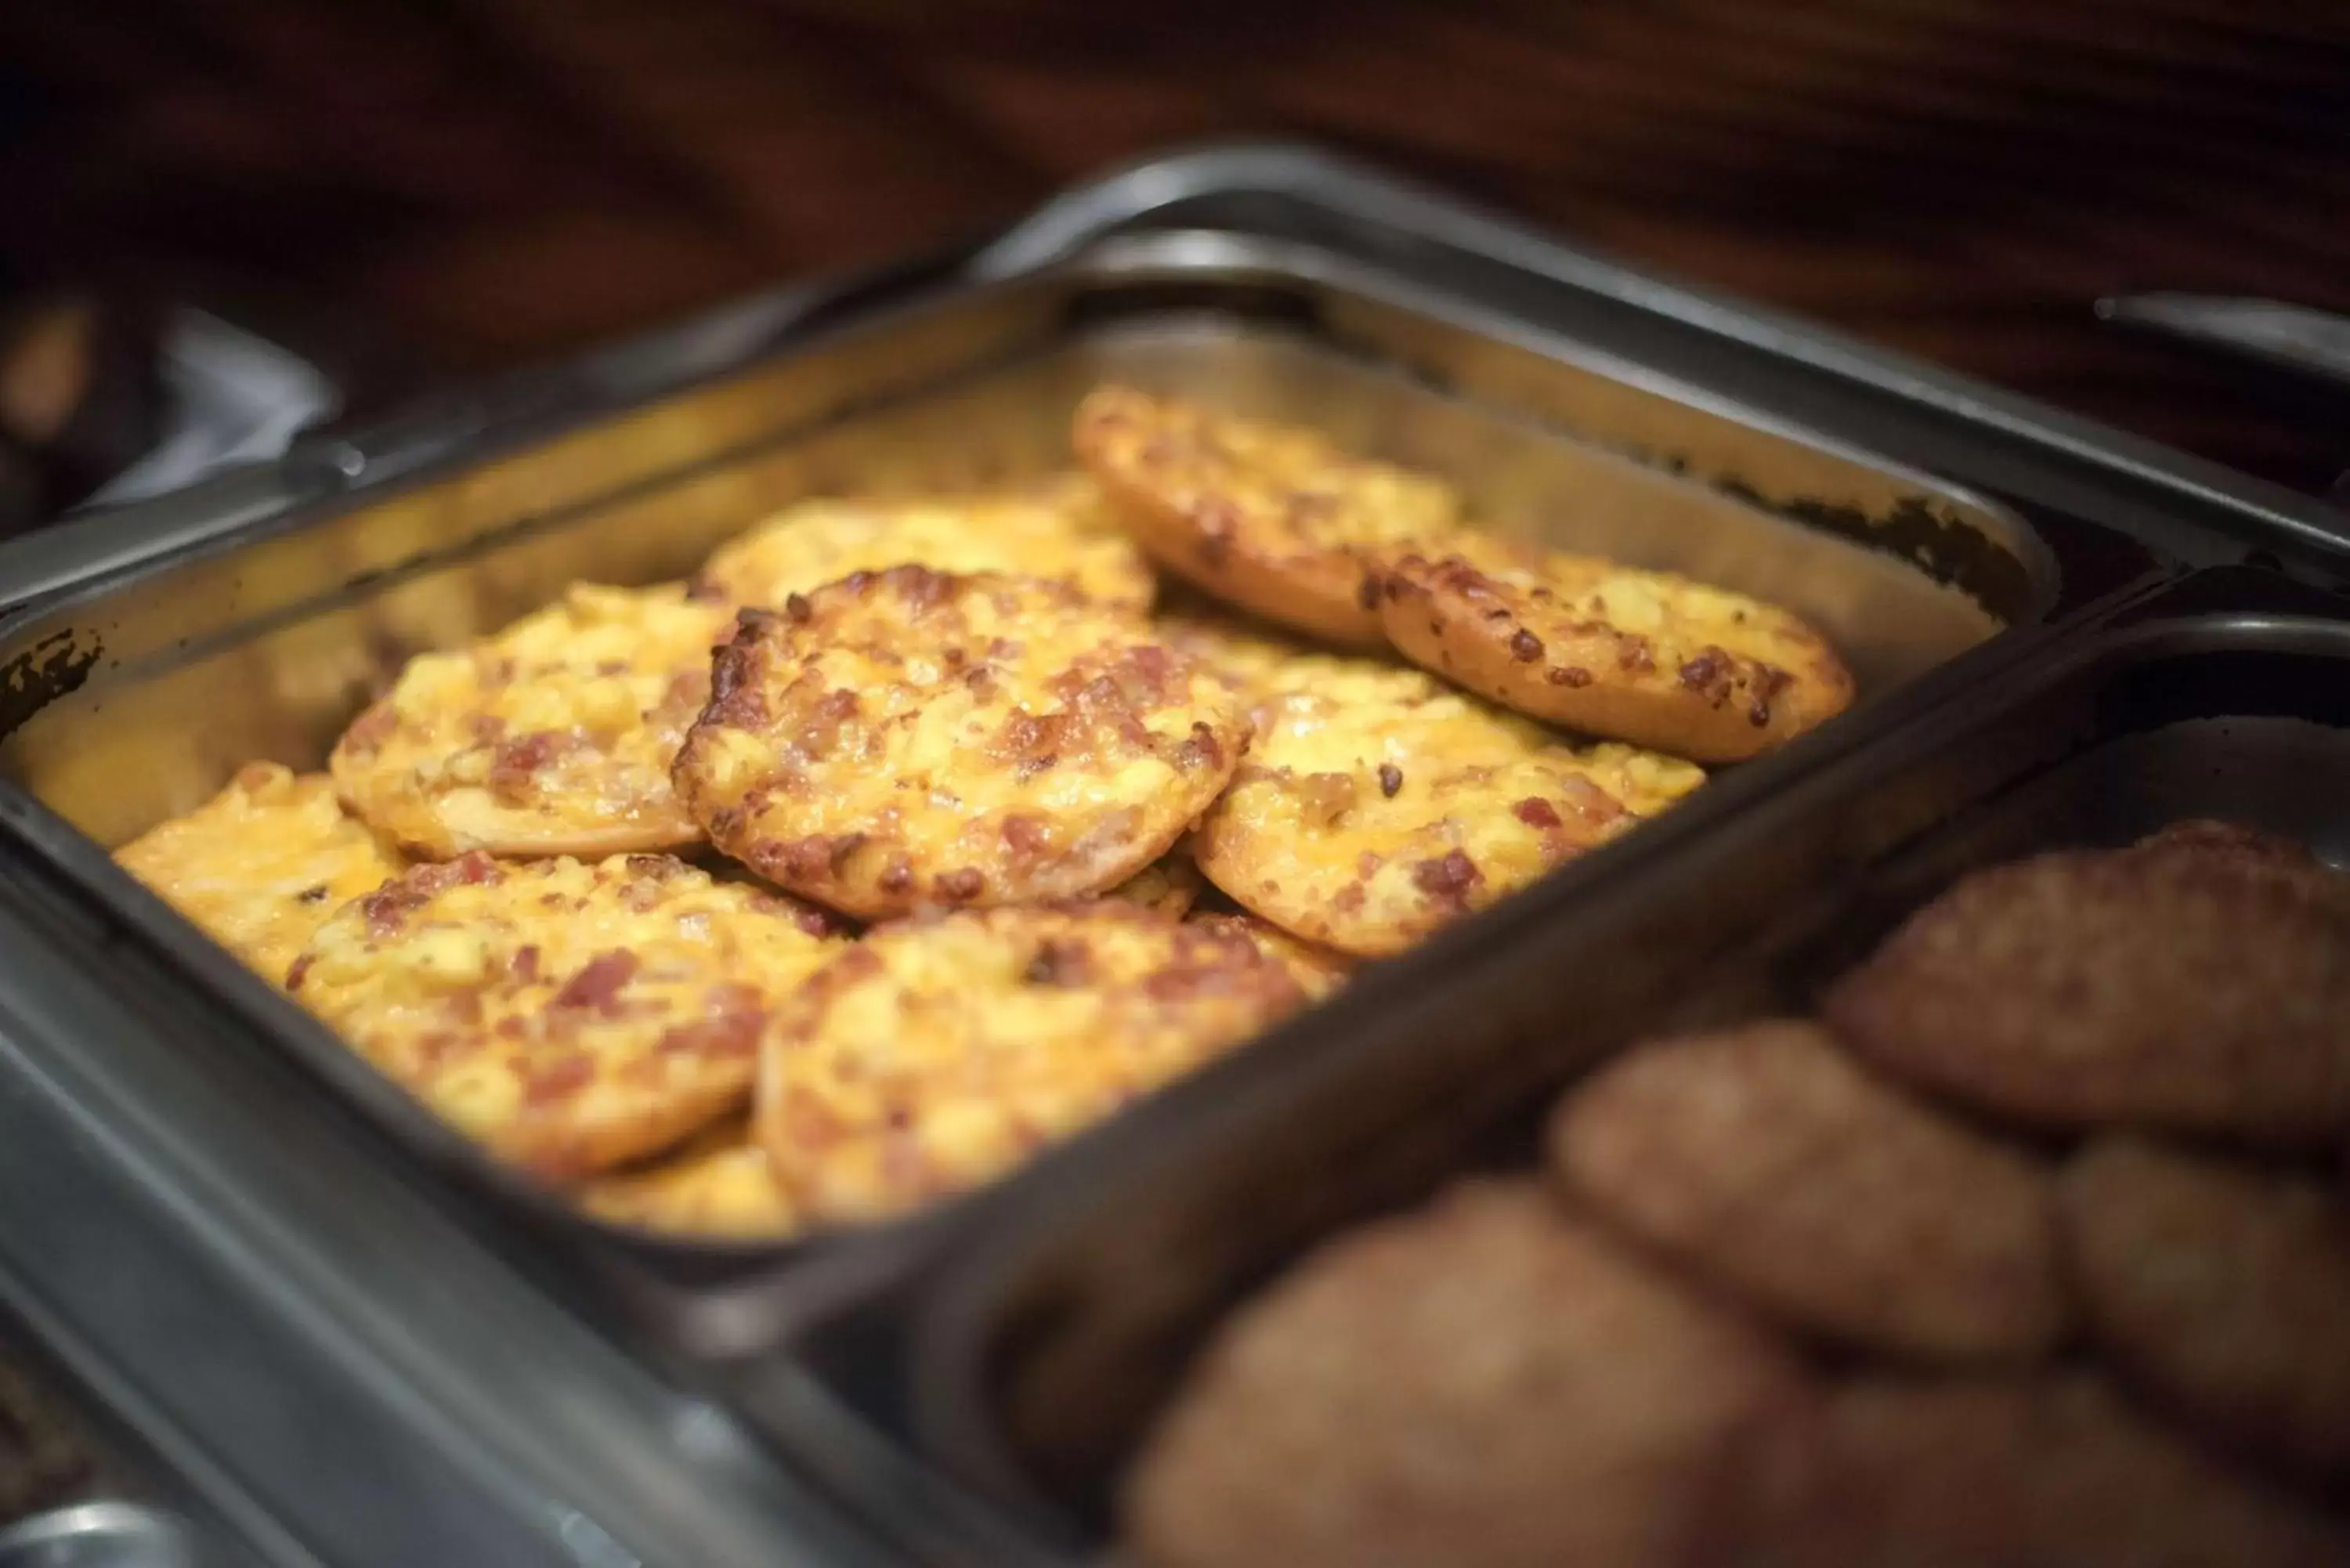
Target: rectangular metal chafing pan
(145, 654)
(1058, 1321)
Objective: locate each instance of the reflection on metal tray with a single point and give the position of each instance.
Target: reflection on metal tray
(511, 1383)
(1061, 1324)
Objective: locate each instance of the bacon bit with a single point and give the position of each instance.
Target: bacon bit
(640, 896)
(1349, 898)
(817, 857)
(1367, 863)
(510, 1028)
(1449, 879)
(514, 765)
(1390, 779)
(921, 587)
(1202, 750)
(301, 967)
(1058, 963)
(816, 922)
(1367, 594)
(735, 700)
(1026, 836)
(1027, 735)
(612, 666)
(1567, 675)
(559, 1080)
(525, 965)
(1705, 670)
(798, 609)
(649, 865)
(1152, 666)
(1525, 647)
(314, 894)
(826, 714)
(1634, 657)
(597, 984)
(373, 728)
(486, 729)
(1004, 648)
(897, 878)
(1535, 812)
(981, 681)
(959, 887)
(1029, 767)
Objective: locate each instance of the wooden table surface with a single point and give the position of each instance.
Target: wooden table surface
(495, 180)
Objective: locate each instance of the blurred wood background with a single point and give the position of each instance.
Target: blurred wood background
(493, 181)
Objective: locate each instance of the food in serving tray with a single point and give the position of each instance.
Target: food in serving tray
(2198, 989)
(1052, 531)
(941, 1050)
(571, 1016)
(262, 865)
(718, 1185)
(908, 737)
(1269, 517)
(1997, 1350)
(2021, 1472)
(896, 706)
(553, 737)
(1768, 1161)
(1378, 805)
(2224, 1289)
(1609, 650)
(1488, 1383)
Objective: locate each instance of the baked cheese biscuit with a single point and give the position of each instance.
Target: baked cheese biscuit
(569, 1015)
(1170, 885)
(717, 1186)
(261, 865)
(1379, 804)
(1258, 660)
(910, 737)
(938, 1052)
(1274, 519)
(1318, 970)
(1609, 650)
(553, 737)
(1056, 532)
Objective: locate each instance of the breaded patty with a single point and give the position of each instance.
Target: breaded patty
(1269, 517)
(1377, 805)
(1486, 1383)
(553, 737)
(718, 1186)
(571, 1016)
(261, 865)
(909, 738)
(2055, 1473)
(1610, 649)
(2121, 989)
(1169, 885)
(1050, 532)
(2225, 1289)
(1765, 1160)
(942, 1049)
(1318, 970)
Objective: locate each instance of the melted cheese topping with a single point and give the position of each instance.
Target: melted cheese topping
(1381, 804)
(1058, 532)
(263, 864)
(717, 1186)
(1318, 970)
(911, 737)
(555, 736)
(570, 1016)
(942, 1051)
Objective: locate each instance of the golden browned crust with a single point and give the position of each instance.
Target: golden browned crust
(1169, 885)
(1377, 805)
(260, 865)
(553, 737)
(717, 1186)
(2225, 1290)
(569, 1016)
(2028, 1472)
(1269, 517)
(1609, 650)
(1049, 532)
(942, 1049)
(2130, 988)
(1486, 1383)
(909, 738)
(1765, 1160)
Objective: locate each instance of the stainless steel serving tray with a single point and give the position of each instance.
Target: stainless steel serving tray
(311, 1252)
(1053, 1329)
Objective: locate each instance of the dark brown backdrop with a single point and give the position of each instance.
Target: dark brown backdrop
(496, 180)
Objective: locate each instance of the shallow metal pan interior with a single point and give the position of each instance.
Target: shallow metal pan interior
(1057, 1324)
(160, 685)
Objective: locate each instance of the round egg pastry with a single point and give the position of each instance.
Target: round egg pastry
(912, 738)
(1269, 517)
(1378, 805)
(717, 1186)
(569, 1015)
(553, 737)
